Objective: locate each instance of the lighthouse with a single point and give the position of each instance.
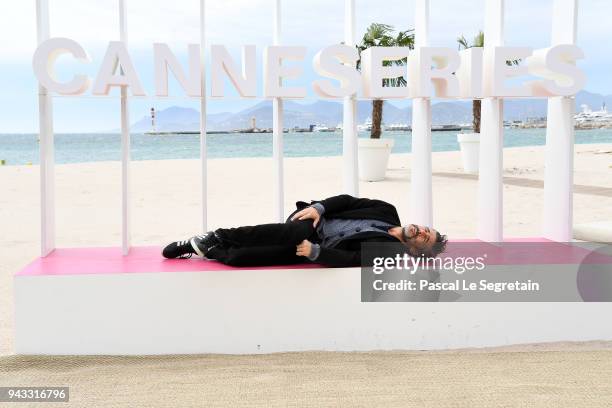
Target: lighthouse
(153, 119)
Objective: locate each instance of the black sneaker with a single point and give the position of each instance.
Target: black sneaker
(203, 243)
(199, 244)
(179, 249)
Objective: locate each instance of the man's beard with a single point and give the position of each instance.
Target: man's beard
(406, 232)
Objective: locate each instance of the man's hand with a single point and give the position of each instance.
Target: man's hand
(304, 248)
(308, 213)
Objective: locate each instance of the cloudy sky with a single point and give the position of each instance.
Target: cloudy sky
(314, 23)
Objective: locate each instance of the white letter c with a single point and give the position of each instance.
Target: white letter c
(43, 63)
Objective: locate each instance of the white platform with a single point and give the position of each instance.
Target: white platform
(264, 311)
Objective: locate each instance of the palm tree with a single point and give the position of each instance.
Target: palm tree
(382, 35)
(478, 41)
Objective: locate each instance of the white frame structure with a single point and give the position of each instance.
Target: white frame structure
(421, 203)
(47, 160)
(350, 174)
(277, 130)
(557, 218)
(559, 157)
(125, 145)
(203, 138)
(490, 174)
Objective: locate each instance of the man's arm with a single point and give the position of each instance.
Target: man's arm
(338, 257)
(328, 256)
(345, 202)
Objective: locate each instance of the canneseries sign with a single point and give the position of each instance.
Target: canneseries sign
(431, 71)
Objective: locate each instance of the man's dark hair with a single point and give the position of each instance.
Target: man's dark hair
(437, 247)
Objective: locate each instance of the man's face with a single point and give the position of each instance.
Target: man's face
(419, 237)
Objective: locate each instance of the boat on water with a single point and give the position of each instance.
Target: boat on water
(395, 127)
(588, 116)
(366, 126)
(322, 128)
(398, 127)
(445, 128)
(171, 132)
(185, 132)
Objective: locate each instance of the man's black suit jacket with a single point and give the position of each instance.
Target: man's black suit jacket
(348, 251)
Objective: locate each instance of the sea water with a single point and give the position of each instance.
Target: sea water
(16, 149)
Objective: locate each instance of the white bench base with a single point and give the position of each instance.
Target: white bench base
(266, 311)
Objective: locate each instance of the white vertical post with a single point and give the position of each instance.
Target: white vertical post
(45, 120)
(559, 155)
(125, 144)
(277, 132)
(421, 203)
(350, 181)
(490, 178)
(203, 144)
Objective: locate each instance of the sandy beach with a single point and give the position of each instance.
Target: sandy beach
(166, 206)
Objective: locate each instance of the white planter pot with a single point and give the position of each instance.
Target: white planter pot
(373, 158)
(470, 147)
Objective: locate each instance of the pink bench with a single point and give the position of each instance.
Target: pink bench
(148, 259)
(70, 261)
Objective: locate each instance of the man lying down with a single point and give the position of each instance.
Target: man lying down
(328, 232)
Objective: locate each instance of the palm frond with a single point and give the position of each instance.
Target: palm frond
(463, 44)
(477, 41)
(382, 35)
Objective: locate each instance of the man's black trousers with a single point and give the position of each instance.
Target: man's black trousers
(261, 245)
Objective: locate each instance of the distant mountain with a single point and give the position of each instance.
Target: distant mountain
(329, 113)
(592, 99)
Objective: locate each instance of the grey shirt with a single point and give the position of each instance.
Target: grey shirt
(332, 231)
